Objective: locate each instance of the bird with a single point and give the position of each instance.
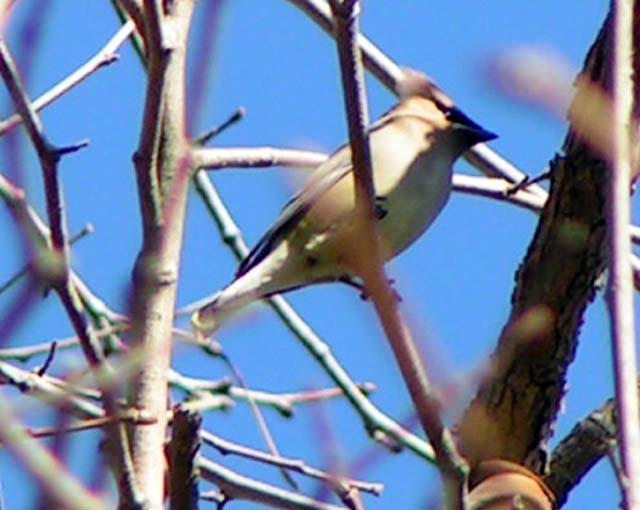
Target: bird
(413, 148)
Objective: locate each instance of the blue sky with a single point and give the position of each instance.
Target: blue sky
(456, 281)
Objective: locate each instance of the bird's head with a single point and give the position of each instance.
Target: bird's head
(422, 93)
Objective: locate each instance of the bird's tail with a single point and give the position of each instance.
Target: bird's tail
(209, 314)
(208, 317)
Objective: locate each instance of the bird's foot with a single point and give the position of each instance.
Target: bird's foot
(364, 295)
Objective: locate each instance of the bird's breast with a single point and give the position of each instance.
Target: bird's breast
(411, 205)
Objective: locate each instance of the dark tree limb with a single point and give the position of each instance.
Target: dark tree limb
(516, 407)
(183, 450)
(588, 442)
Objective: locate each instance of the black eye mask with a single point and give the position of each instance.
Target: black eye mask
(456, 116)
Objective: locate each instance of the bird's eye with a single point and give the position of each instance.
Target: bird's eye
(453, 114)
(456, 116)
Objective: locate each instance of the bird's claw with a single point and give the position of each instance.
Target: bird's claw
(364, 296)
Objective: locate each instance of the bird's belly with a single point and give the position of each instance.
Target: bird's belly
(411, 208)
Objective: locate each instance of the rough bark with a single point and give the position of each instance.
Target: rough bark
(515, 409)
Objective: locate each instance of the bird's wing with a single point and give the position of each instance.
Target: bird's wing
(325, 177)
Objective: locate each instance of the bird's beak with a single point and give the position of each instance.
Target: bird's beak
(479, 134)
(471, 131)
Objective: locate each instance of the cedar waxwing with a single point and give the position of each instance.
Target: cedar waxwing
(413, 148)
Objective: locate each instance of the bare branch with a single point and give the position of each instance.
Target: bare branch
(107, 55)
(255, 157)
(586, 444)
(48, 392)
(513, 414)
(620, 292)
(498, 189)
(24, 270)
(228, 448)
(283, 403)
(260, 419)
(163, 167)
(184, 449)
(453, 467)
(133, 10)
(238, 487)
(89, 424)
(38, 230)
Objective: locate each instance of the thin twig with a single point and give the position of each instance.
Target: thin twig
(88, 424)
(47, 391)
(132, 10)
(206, 137)
(497, 189)
(282, 403)
(229, 448)
(42, 370)
(286, 402)
(261, 420)
(255, 157)
(26, 353)
(107, 55)
(19, 308)
(36, 227)
(241, 488)
(24, 270)
(620, 293)
(49, 157)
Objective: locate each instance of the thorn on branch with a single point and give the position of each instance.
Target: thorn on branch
(367, 388)
(213, 496)
(58, 152)
(109, 59)
(87, 230)
(206, 137)
(389, 442)
(527, 181)
(47, 362)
